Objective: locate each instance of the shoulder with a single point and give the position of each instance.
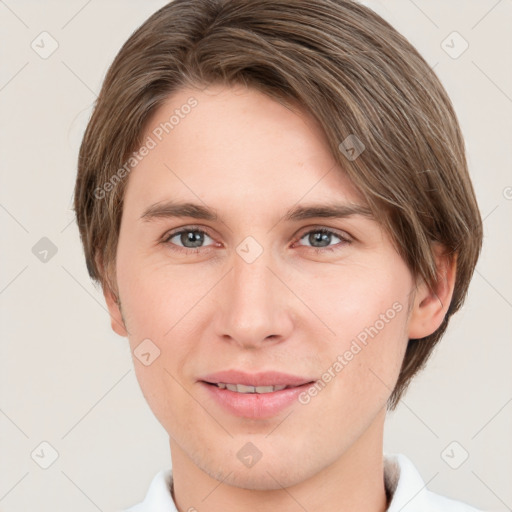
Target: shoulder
(409, 491)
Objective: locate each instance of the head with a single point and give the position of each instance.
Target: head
(252, 110)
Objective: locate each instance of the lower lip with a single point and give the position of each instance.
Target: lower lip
(255, 405)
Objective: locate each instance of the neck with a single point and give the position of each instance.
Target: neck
(355, 481)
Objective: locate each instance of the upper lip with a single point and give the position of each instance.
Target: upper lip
(269, 378)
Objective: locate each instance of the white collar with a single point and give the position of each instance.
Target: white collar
(402, 479)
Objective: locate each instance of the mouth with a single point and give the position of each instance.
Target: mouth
(262, 382)
(242, 388)
(254, 396)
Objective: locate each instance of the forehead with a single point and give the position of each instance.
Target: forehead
(235, 146)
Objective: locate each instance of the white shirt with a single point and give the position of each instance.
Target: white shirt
(408, 490)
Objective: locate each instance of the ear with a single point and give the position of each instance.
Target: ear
(430, 306)
(113, 304)
(116, 317)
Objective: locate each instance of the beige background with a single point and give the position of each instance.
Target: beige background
(67, 380)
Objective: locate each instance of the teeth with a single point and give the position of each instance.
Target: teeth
(241, 388)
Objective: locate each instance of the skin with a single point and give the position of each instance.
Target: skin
(294, 309)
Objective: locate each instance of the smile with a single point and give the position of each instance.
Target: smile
(242, 388)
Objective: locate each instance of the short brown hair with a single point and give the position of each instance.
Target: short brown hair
(339, 61)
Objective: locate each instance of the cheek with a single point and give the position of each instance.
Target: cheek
(358, 299)
(156, 296)
(166, 397)
(162, 306)
(359, 374)
(366, 312)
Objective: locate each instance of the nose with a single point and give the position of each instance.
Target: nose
(254, 304)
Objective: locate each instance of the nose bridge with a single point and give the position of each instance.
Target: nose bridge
(252, 284)
(252, 305)
(251, 281)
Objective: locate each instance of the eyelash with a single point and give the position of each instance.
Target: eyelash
(167, 237)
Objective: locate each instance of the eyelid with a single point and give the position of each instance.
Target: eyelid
(188, 227)
(343, 235)
(345, 239)
(320, 227)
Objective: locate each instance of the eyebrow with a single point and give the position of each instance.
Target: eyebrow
(170, 209)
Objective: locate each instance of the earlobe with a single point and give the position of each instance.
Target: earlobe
(116, 317)
(431, 305)
(113, 305)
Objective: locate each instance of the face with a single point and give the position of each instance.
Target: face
(265, 285)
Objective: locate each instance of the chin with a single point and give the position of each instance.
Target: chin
(260, 480)
(269, 473)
